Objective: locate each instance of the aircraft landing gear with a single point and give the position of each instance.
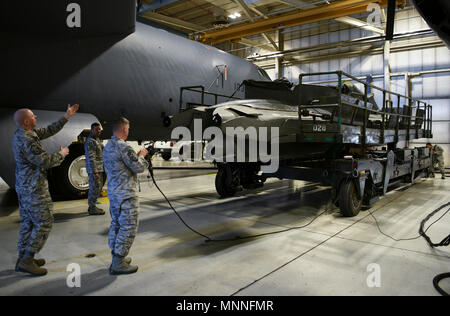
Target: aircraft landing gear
(232, 178)
(70, 178)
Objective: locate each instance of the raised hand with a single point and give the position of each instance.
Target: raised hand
(64, 151)
(71, 110)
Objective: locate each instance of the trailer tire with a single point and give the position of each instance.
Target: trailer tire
(349, 202)
(167, 155)
(221, 184)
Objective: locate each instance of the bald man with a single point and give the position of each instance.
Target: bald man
(35, 203)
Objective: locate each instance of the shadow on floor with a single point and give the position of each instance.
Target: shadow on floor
(90, 283)
(8, 277)
(280, 208)
(213, 196)
(283, 205)
(65, 217)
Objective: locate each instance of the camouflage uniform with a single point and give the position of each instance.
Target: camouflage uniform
(93, 148)
(438, 158)
(35, 203)
(122, 165)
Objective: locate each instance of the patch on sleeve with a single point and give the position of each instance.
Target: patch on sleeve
(35, 149)
(132, 155)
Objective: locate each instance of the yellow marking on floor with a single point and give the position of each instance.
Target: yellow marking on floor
(103, 200)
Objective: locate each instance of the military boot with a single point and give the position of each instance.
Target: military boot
(28, 264)
(127, 260)
(120, 266)
(39, 262)
(94, 211)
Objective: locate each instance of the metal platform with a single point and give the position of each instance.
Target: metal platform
(354, 118)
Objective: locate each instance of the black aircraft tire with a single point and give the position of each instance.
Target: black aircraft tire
(221, 187)
(167, 155)
(73, 164)
(349, 203)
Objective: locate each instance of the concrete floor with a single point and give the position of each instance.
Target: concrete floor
(329, 257)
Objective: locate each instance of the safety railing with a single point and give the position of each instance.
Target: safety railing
(203, 93)
(421, 116)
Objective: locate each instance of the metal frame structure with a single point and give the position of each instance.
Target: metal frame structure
(203, 92)
(414, 113)
(298, 17)
(359, 178)
(408, 119)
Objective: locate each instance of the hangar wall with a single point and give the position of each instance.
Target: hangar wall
(432, 88)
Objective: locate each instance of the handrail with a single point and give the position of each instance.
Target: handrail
(388, 104)
(201, 89)
(357, 107)
(341, 74)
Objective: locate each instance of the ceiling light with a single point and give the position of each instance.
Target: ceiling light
(234, 16)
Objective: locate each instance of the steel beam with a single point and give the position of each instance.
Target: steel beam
(390, 20)
(387, 67)
(360, 52)
(160, 18)
(251, 43)
(361, 24)
(246, 10)
(298, 17)
(279, 60)
(174, 22)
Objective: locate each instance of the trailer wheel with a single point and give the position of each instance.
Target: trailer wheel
(166, 155)
(222, 188)
(249, 177)
(349, 202)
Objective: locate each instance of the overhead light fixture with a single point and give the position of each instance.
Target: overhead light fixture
(234, 16)
(220, 16)
(252, 56)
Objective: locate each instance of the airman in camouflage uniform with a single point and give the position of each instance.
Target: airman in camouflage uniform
(35, 203)
(93, 148)
(122, 165)
(438, 158)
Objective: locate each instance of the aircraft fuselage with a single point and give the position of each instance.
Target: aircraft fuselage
(138, 76)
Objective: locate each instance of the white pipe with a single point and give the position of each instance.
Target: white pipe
(399, 74)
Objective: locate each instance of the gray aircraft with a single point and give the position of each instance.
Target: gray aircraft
(95, 53)
(436, 15)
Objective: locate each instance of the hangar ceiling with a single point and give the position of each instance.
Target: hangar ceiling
(257, 29)
(217, 21)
